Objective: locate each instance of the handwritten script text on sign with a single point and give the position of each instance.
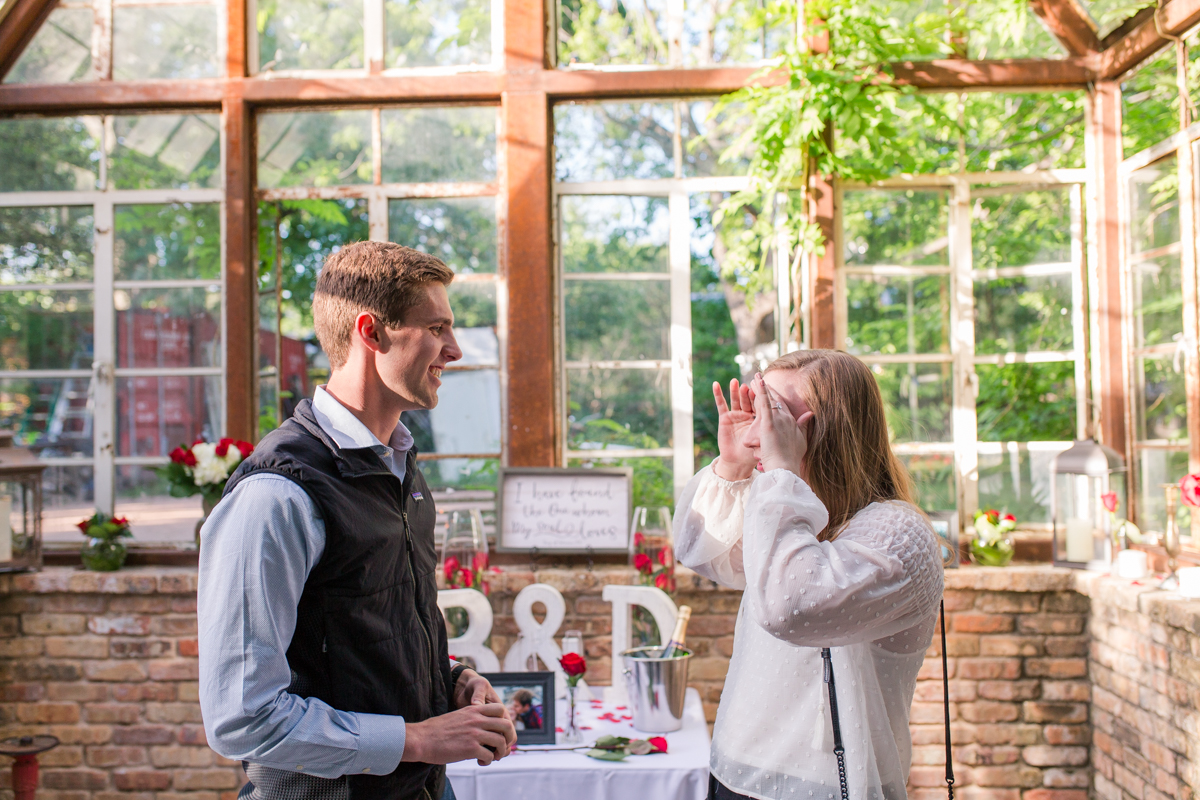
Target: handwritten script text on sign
(566, 511)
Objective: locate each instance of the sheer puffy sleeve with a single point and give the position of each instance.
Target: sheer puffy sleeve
(708, 527)
(880, 579)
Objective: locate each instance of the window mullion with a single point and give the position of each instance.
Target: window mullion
(962, 346)
(680, 257)
(1083, 425)
(104, 359)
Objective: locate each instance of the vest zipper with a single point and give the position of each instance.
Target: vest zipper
(412, 574)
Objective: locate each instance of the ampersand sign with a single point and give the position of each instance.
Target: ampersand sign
(479, 627)
(537, 638)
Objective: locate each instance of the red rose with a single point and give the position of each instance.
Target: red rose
(245, 448)
(659, 743)
(993, 516)
(480, 562)
(664, 556)
(642, 563)
(573, 664)
(1009, 518)
(83, 526)
(1190, 489)
(177, 455)
(1110, 501)
(662, 581)
(198, 441)
(120, 521)
(222, 448)
(189, 458)
(467, 577)
(638, 539)
(451, 566)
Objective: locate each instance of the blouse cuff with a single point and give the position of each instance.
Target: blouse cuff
(721, 504)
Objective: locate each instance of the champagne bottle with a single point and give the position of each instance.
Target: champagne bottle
(675, 645)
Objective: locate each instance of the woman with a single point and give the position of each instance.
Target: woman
(830, 552)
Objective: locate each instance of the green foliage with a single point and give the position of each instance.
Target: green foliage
(1151, 103)
(105, 527)
(653, 479)
(1026, 402)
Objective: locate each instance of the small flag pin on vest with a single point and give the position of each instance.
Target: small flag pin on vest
(418, 496)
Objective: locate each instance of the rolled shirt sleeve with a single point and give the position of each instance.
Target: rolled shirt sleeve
(259, 546)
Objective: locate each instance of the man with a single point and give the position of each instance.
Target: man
(323, 661)
(524, 713)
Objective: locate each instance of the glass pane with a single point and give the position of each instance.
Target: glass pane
(1017, 229)
(1023, 315)
(1017, 481)
(50, 416)
(168, 41)
(917, 399)
(168, 327)
(618, 409)
(67, 498)
(608, 141)
(461, 231)
(1006, 131)
(653, 478)
(1162, 398)
(1026, 402)
(46, 330)
(156, 415)
(172, 242)
(60, 52)
(706, 138)
(615, 234)
(1158, 300)
(50, 153)
(1009, 30)
(1157, 467)
(461, 474)
(154, 516)
(466, 419)
(439, 144)
(909, 228)
(166, 151)
(608, 32)
(642, 329)
(310, 34)
(933, 479)
(1154, 196)
(738, 32)
(1151, 103)
(1109, 14)
(474, 307)
(422, 33)
(51, 244)
(321, 148)
(897, 315)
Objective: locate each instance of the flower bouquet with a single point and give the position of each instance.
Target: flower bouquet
(1123, 532)
(473, 576)
(654, 560)
(204, 468)
(993, 543)
(104, 551)
(574, 665)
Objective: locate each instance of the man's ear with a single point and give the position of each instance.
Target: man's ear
(369, 331)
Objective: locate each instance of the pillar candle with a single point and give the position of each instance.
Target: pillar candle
(1079, 540)
(1189, 581)
(1131, 564)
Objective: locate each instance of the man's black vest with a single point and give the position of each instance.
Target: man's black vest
(369, 636)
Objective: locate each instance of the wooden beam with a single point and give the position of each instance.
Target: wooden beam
(106, 95)
(17, 27)
(1069, 23)
(1172, 19)
(1110, 362)
(241, 296)
(1004, 74)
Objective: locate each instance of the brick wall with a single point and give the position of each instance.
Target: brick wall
(1144, 661)
(108, 664)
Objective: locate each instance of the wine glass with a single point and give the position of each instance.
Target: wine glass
(572, 642)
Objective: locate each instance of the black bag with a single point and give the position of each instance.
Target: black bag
(840, 752)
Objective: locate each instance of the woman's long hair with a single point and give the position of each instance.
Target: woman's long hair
(849, 462)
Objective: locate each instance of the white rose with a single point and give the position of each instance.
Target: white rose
(210, 468)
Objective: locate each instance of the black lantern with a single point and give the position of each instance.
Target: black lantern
(20, 507)
(1080, 479)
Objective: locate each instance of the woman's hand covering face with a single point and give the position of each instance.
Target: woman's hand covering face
(737, 461)
(778, 437)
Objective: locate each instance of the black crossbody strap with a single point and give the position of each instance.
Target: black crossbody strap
(838, 750)
(946, 706)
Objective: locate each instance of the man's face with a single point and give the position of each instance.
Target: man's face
(419, 350)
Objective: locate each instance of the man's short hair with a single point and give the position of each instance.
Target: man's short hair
(523, 697)
(380, 278)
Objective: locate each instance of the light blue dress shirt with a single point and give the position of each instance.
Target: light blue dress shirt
(259, 545)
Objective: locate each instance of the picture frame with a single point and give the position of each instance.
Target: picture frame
(945, 527)
(529, 696)
(574, 510)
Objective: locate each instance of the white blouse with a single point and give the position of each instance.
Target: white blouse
(871, 595)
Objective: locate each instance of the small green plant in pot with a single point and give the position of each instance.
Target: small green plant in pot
(993, 542)
(104, 551)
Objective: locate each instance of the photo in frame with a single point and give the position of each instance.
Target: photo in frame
(945, 526)
(529, 698)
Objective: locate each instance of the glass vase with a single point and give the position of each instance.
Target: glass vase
(103, 555)
(995, 554)
(571, 733)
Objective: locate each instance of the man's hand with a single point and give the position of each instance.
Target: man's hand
(473, 689)
(482, 732)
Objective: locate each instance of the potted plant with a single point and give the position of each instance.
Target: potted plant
(992, 545)
(203, 469)
(104, 551)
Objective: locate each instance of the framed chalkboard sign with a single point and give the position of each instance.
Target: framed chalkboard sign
(552, 510)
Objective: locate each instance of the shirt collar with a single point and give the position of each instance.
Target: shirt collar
(348, 431)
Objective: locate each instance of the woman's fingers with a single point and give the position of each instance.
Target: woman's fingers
(719, 396)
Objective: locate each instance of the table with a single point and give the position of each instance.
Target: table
(679, 774)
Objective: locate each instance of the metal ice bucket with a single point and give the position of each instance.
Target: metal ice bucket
(657, 687)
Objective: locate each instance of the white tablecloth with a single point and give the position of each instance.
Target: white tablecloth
(679, 774)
